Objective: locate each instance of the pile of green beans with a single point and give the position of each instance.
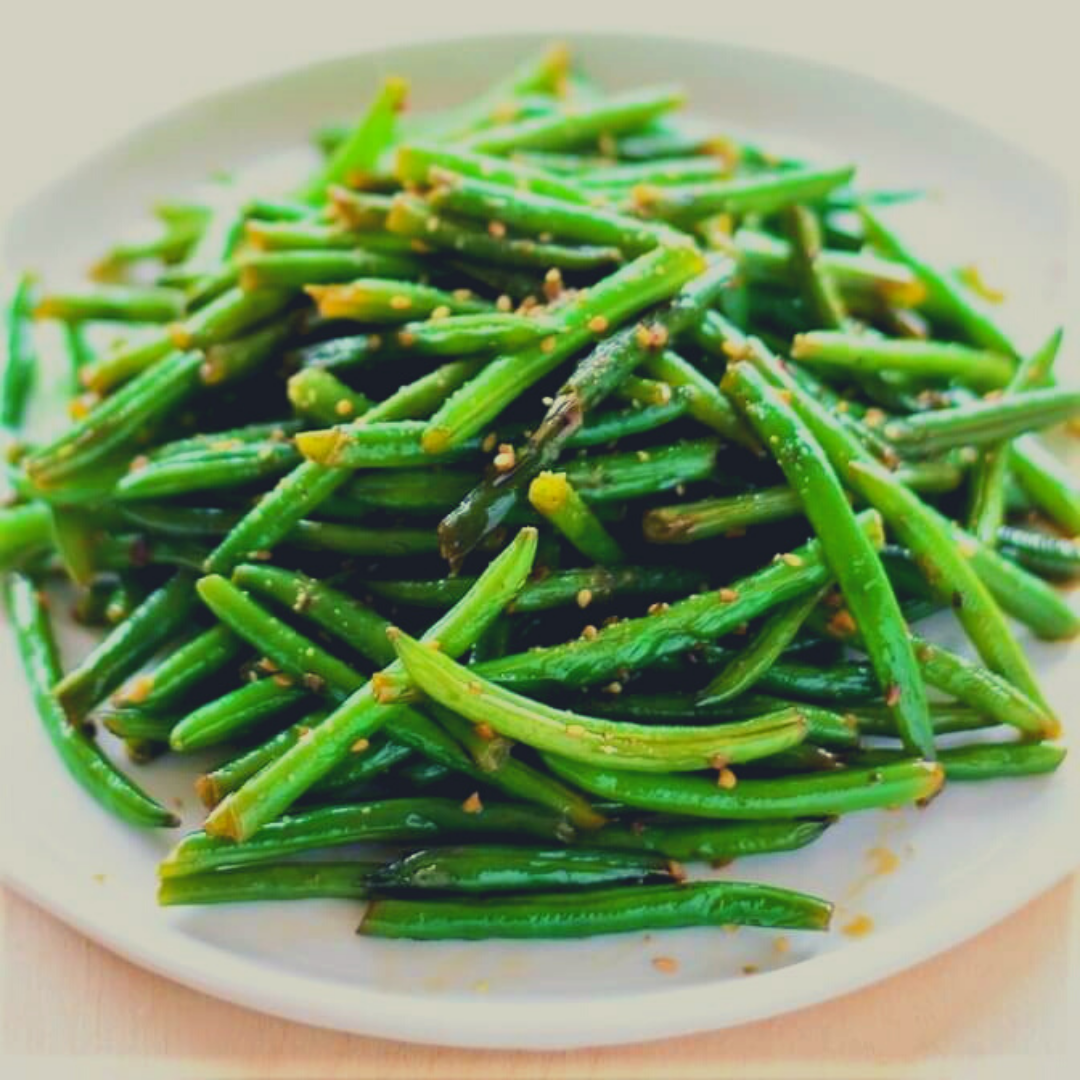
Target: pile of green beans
(542, 490)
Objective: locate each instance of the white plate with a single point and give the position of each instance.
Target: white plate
(979, 853)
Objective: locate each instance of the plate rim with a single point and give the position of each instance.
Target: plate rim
(566, 1022)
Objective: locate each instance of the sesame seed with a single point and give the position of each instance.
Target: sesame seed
(504, 303)
(485, 731)
(613, 688)
(548, 344)
(505, 459)
(473, 805)
(344, 407)
(598, 324)
(584, 598)
(728, 596)
(496, 229)
(658, 608)
(360, 746)
(726, 779)
(589, 632)
(643, 455)
(792, 559)
(441, 312)
(667, 964)
(842, 624)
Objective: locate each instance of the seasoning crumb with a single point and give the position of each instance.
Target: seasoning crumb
(884, 860)
(642, 456)
(589, 632)
(842, 624)
(658, 608)
(441, 312)
(791, 559)
(575, 731)
(667, 964)
(613, 688)
(547, 345)
(860, 926)
(728, 596)
(360, 746)
(584, 598)
(750, 969)
(598, 324)
(726, 779)
(782, 945)
(344, 407)
(505, 459)
(475, 687)
(496, 229)
(400, 302)
(473, 805)
(504, 303)
(489, 442)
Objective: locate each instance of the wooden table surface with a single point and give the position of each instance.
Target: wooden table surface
(1005, 1003)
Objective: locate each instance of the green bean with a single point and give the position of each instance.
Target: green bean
(25, 531)
(544, 74)
(380, 446)
(1049, 556)
(988, 761)
(295, 269)
(502, 868)
(459, 335)
(927, 359)
(79, 754)
(228, 316)
(684, 523)
(302, 881)
(951, 576)
(309, 238)
(132, 725)
(700, 618)
(118, 420)
(848, 552)
(417, 162)
(947, 719)
(367, 765)
(171, 245)
(839, 682)
(18, 357)
(617, 179)
(113, 303)
(318, 395)
(816, 282)
(213, 786)
(292, 652)
(414, 218)
(635, 474)
(824, 727)
(553, 496)
(360, 151)
(177, 675)
(594, 378)
(272, 790)
(1019, 593)
(643, 748)
(234, 713)
(540, 214)
(713, 842)
(514, 778)
(276, 514)
(385, 301)
(402, 491)
(947, 294)
(625, 909)
(210, 471)
(559, 589)
(762, 193)
(129, 359)
(1047, 482)
(615, 424)
(334, 611)
(983, 690)
(944, 567)
(650, 279)
(982, 421)
(419, 399)
(127, 647)
(746, 669)
(393, 820)
(813, 795)
(707, 403)
(858, 275)
(574, 126)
